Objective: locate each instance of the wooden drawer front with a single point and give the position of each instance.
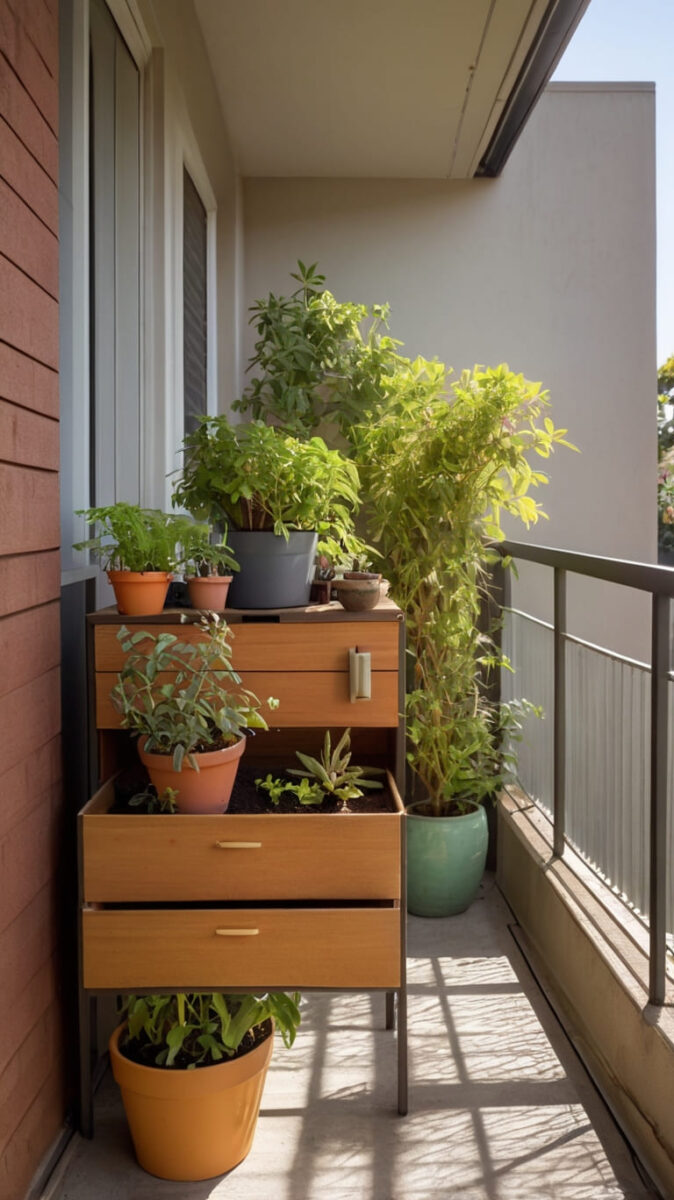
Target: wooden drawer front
(182, 950)
(316, 698)
(319, 646)
(131, 859)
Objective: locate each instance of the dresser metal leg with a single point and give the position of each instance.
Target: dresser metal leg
(402, 1051)
(87, 1007)
(390, 1010)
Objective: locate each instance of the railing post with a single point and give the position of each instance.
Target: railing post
(559, 741)
(658, 831)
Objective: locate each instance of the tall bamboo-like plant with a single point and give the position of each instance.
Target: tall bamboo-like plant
(441, 464)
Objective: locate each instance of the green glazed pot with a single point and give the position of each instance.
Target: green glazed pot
(445, 861)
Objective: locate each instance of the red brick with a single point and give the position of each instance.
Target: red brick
(25, 1074)
(27, 177)
(30, 644)
(28, 383)
(33, 1138)
(28, 943)
(30, 716)
(27, 242)
(29, 580)
(28, 439)
(26, 62)
(28, 855)
(24, 117)
(28, 316)
(22, 1010)
(41, 26)
(30, 778)
(29, 503)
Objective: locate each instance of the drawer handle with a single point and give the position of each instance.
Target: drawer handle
(237, 932)
(360, 674)
(238, 845)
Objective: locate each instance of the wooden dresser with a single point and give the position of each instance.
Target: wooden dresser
(253, 902)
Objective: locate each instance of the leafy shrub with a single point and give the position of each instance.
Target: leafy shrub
(192, 1029)
(203, 707)
(136, 539)
(254, 477)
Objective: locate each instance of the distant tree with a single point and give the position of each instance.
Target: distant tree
(666, 460)
(665, 401)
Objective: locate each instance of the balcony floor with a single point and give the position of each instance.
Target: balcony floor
(500, 1107)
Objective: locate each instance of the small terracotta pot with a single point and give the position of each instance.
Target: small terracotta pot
(207, 790)
(140, 593)
(358, 595)
(362, 575)
(191, 1125)
(208, 591)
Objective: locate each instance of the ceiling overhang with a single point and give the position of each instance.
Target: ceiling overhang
(436, 89)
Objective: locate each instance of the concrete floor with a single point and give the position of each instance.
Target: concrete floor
(500, 1108)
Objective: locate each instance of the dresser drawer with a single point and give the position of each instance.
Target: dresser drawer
(216, 949)
(137, 858)
(309, 856)
(306, 699)
(315, 646)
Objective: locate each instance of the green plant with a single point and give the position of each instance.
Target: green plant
(333, 774)
(152, 802)
(318, 359)
(135, 539)
(202, 708)
(192, 1029)
(255, 477)
(204, 558)
(308, 794)
(441, 464)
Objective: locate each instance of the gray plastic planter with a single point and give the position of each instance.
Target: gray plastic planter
(274, 573)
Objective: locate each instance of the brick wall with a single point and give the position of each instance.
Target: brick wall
(31, 1081)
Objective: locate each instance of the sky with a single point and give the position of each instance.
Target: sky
(628, 40)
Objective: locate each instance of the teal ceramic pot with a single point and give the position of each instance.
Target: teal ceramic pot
(445, 861)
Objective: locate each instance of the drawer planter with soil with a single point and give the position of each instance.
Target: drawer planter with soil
(262, 897)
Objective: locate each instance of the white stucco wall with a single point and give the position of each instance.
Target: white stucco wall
(550, 268)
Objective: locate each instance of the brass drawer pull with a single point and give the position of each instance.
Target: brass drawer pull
(238, 845)
(237, 932)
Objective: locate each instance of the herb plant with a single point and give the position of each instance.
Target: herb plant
(135, 539)
(255, 477)
(192, 1029)
(203, 707)
(201, 557)
(308, 794)
(153, 802)
(333, 774)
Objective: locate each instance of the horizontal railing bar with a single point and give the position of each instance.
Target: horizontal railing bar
(659, 581)
(577, 641)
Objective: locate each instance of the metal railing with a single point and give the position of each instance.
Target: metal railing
(659, 583)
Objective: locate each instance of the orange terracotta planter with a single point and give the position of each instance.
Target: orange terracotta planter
(208, 591)
(207, 790)
(140, 593)
(191, 1125)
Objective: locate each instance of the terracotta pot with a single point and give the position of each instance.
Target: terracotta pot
(207, 790)
(362, 575)
(208, 591)
(140, 593)
(191, 1125)
(358, 595)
